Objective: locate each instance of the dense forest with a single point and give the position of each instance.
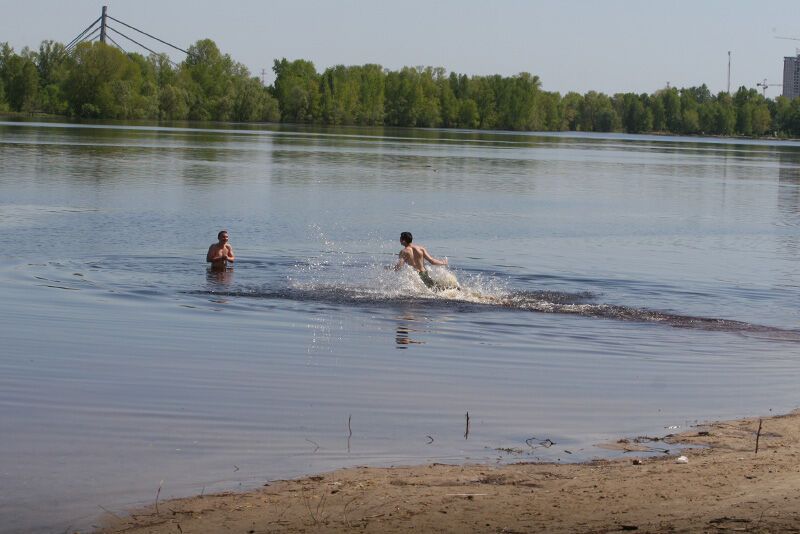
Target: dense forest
(95, 80)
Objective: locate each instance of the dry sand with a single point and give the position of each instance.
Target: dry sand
(725, 487)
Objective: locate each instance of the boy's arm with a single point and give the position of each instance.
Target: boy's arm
(400, 261)
(230, 255)
(431, 259)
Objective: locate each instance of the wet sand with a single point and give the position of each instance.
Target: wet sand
(725, 487)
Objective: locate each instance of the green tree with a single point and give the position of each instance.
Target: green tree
(340, 98)
(550, 111)
(20, 79)
(209, 77)
(517, 102)
(103, 82)
(690, 121)
(173, 103)
(252, 102)
(570, 111)
(3, 103)
(449, 104)
(672, 109)
(633, 114)
(297, 90)
(725, 115)
(596, 113)
(762, 120)
(372, 97)
(659, 113)
(468, 114)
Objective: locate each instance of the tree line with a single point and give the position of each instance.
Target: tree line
(95, 80)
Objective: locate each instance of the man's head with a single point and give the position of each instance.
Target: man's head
(222, 236)
(406, 238)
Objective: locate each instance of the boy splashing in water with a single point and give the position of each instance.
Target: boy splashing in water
(415, 256)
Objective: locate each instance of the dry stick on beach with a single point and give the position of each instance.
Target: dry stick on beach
(466, 430)
(106, 510)
(344, 511)
(316, 515)
(758, 434)
(158, 493)
(349, 431)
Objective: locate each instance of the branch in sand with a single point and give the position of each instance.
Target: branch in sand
(158, 493)
(349, 431)
(758, 434)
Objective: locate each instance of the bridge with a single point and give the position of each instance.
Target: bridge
(99, 31)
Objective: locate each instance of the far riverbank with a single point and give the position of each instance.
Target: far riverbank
(12, 116)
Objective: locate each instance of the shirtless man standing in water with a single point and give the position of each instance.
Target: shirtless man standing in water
(415, 256)
(220, 253)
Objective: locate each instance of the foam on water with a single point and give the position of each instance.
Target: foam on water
(374, 283)
(343, 279)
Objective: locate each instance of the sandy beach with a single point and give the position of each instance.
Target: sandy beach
(723, 485)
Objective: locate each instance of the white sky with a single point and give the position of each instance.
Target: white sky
(610, 45)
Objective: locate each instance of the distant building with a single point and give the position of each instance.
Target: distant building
(791, 77)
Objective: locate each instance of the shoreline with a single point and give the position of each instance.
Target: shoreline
(726, 485)
(19, 116)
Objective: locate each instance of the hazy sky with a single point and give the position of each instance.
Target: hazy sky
(609, 45)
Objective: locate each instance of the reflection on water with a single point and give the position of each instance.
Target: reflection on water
(219, 278)
(595, 269)
(789, 202)
(405, 329)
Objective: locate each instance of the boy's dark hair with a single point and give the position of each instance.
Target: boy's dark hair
(219, 235)
(406, 236)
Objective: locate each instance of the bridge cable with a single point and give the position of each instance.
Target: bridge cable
(80, 35)
(89, 37)
(117, 44)
(151, 36)
(140, 44)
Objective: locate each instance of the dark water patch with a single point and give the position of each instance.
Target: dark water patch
(533, 302)
(553, 302)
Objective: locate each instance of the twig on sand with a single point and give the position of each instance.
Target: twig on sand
(106, 510)
(158, 493)
(758, 434)
(762, 516)
(344, 511)
(316, 515)
(430, 439)
(466, 430)
(349, 431)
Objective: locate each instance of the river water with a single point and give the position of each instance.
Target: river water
(611, 285)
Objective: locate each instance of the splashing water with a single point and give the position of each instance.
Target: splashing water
(341, 279)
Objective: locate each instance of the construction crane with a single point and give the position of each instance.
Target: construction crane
(763, 85)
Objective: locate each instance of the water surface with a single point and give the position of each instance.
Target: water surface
(610, 285)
